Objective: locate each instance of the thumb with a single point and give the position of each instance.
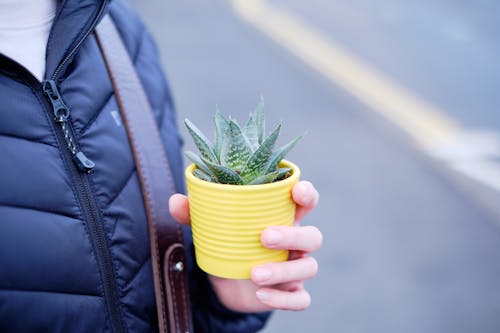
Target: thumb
(178, 204)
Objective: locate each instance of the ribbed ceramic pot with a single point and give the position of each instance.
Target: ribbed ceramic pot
(227, 221)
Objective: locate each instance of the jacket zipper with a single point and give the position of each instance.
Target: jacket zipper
(80, 165)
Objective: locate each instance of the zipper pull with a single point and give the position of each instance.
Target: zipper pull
(61, 111)
(84, 163)
(61, 116)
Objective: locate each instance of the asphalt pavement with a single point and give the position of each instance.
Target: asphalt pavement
(410, 245)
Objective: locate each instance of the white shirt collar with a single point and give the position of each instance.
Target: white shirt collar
(26, 14)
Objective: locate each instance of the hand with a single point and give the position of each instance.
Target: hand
(272, 285)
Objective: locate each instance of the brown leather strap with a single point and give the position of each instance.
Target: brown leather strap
(167, 249)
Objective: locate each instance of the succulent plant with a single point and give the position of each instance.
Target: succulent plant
(240, 155)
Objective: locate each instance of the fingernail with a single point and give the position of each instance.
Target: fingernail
(273, 237)
(262, 274)
(308, 199)
(262, 295)
(309, 196)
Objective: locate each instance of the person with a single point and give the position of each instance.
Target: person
(74, 247)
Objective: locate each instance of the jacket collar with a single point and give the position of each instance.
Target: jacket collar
(73, 23)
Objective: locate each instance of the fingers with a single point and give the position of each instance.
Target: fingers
(307, 238)
(178, 205)
(282, 284)
(306, 197)
(284, 300)
(285, 272)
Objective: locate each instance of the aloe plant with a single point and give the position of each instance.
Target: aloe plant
(240, 155)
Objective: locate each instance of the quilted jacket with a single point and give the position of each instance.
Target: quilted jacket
(74, 248)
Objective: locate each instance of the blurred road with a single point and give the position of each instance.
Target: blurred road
(409, 209)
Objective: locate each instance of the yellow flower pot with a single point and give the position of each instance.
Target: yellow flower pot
(227, 221)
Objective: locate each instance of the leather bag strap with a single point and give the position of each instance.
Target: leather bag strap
(167, 248)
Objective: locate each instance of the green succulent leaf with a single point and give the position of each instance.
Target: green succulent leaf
(283, 173)
(279, 154)
(269, 178)
(221, 124)
(223, 174)
(259, 159)
(260, 120)
(235, 150)
(197, 160)
(204, 145)
(251, 132)
(204, 176)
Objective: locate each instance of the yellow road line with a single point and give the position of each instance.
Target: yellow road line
(432, 130)
(423, 121)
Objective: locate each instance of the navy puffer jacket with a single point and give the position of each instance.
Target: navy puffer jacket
(74, 248)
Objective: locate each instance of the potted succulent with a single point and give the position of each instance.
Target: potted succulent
(237, 187)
